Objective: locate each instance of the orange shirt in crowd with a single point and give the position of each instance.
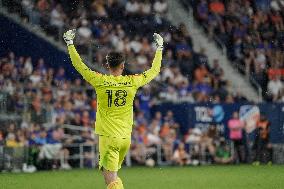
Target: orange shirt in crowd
(142, 133)
(165, 130)
(43, 5)
(200, 74)
(276, 19)
(264, 129)
(217, 7)
(273, 72)
(94, 104)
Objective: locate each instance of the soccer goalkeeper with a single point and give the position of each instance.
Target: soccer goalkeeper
(115, 95)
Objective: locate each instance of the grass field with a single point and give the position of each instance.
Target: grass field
(207, 177)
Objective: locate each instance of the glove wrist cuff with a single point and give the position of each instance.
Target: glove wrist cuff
(69, 43)
(160, 48)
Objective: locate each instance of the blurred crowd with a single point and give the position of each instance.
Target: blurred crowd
(127, 26)
(198, 146)
(39, 95)
(46, 100)
(252, 32)
(42, 94)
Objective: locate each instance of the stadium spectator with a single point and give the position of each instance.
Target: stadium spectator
(144, 102)
(84, 35)
(60, 76)
(217, 7)
(28, 67)
(54, 150)
(236, 135)
(192, 139)
(262, 146)
(35, 78)
(169, 139)
(202, 11)
(57, 17)
(98, 7)
(208, 142)
(142, 145)
(31, 11)
(43, 5)
(169, 94)
(132, 7)
(11, 141)
(145, 7)
(153, 133)
(2, 139)
(41, 138)
(251, 31)
(223, 154)
(274, 87)
(180, 156)
(160, 7)
(38, 114)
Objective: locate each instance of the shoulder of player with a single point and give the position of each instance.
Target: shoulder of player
(98, 73)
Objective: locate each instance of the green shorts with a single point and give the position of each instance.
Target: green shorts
(112, 152)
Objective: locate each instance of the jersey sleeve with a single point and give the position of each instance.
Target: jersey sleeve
(92, 77)
(144, 78)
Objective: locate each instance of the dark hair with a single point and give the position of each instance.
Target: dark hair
(114, 59)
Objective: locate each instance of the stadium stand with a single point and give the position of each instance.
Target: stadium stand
(115, 27)
(252, 32)
(43, 94)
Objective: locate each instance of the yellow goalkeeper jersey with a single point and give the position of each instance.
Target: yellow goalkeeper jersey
(115, 95)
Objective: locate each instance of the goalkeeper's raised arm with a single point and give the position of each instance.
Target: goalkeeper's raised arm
(89, 75)
(150, 74)
(93, 77)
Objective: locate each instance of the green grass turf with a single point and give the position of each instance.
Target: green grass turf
(206, 177)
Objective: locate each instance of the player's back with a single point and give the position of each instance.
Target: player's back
(115, 96)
